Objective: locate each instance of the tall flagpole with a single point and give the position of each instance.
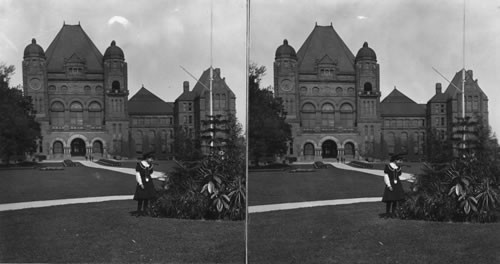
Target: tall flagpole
(463, 69)
(211, 79)
(463, 79)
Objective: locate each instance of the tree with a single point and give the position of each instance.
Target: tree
(213, 187)
(269, 133)
(18, 128)
(185, 147)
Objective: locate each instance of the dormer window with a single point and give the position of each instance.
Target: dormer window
(74, 66)
(327, 68)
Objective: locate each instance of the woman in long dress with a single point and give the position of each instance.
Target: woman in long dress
(144, 190)
(393, 192)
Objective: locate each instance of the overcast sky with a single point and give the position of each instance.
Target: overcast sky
(157, 36)
(408, 36)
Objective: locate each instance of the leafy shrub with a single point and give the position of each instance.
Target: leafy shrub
(464, 190)
(70, 163)
(213, 188)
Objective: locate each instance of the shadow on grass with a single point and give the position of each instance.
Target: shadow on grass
(356, 234)
(105, 232)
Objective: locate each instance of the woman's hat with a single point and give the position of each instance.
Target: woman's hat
(397, 157)
(148, 155)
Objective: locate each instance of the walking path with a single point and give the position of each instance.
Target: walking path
(251, 209)
(37, 204)
(288, 206)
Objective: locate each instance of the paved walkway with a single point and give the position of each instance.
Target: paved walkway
(251, 209)
(404, 176)
(37, 204)
(288, 206)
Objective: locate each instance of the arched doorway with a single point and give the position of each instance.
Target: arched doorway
(77, 147)
(97, 148)
(309, 151)
(329, 149)
(349, 150)
(58, 149)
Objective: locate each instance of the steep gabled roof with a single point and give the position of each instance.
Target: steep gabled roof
(72, 40)
(145, 102)
(218, 84)
(322, 41)
(439, 98)
(187, 96)
(398, 104)
(470, 85)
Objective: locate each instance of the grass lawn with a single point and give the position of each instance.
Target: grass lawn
(105, 232)
(323, 184)
(356, 234)
(72, 182)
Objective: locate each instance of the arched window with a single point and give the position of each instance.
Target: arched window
(97, 147)
(404, 142)
(367, 87)
(95, 114)
(390, 142)
(151, 139)
(57, 114)
(115, 86)
(416, 143)
(308, 115)
(58, 148)
(138, 141)
(303, 90)
(475, 103)
(350, 91)
(327, 115)
(339, 91)
(76, 113)
(346, 115)
(223, 101)
(163, 141)
(217, 101)
(308, 149)
(349, 150)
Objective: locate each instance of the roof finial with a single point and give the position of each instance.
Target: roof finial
(331, 24)
(316, 23)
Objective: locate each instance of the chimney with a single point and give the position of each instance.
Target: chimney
(186, 86)
(438, 88)
(468, 75)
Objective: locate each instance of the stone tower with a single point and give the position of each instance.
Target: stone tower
(116, 96)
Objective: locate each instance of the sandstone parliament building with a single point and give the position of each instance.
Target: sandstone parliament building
(82, 104)
(334, 103)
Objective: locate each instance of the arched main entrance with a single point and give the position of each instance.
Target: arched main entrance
(329, 149)
(77, 147)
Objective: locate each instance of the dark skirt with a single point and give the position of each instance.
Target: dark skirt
(147, 193)
(397, 193)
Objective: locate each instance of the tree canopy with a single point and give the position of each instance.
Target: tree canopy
(18, 128)
(269, 133)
